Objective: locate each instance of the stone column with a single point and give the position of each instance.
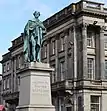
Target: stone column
(75, 52)
(14, 74)
(66, 55)
(84, 50)
(48, 54)
(56, 60)
(75, 63)
(102, 53)
(70, 62)
(97, 62)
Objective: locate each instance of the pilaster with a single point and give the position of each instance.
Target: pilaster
(70, 62)
(75, 51)
(66, 54)
(102, 53)
(48, 54)
(56, 59)
(84, 50)
(97, 62)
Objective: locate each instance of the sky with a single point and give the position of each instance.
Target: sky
(14, 14)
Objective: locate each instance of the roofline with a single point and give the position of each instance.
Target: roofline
(90, 1)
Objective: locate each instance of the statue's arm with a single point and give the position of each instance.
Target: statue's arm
(41, 25)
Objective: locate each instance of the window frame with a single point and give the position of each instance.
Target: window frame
(8, 66)
(8, 83)
(4, 84)
(53, 75)
(91, 39)
(62, 43)
(95, 103)
(105, 44)
(91, 75)
(4, 68)
(45, 50)
(18, 62)
(62, 70)
(53, 46)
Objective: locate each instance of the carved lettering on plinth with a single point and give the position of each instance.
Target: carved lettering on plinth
(40, 87)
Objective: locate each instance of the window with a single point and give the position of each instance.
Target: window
(4, 68)
(53, 74)
(22, 59)
(90, 65)
(80, 106)
(8, 83)
(19, 59)
(62, 70)
(106, 69)
(89, 39)
(62, 43)
(45, 50)
(105, 41)
(105, 44)
(53, 47)
(18, 81)
(4, 84)
(8, 66)
(61, 104)
(95, 103)
(68, 108)
(18, 62)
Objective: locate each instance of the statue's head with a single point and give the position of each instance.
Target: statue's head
(36, 14)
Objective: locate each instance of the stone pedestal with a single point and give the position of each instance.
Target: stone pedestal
(35, 88)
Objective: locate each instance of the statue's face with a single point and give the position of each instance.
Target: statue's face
(36, 14)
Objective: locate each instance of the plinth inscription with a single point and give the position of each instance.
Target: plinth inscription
(40, 87)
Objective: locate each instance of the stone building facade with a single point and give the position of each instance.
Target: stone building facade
(76, 46)
(11, 63)
(1, 100)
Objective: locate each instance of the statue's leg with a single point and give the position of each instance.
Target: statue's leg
(31, 52)
(35, 48)
(37, 53)
(34, 52)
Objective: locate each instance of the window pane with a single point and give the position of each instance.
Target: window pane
(62, 70)
(94, 99)
(89, 39)
(8, 82)
(105, 44)
(53, 47)
(90, 65)
(95, 107)
(62, 43)
(8, 67)
(105, 41)
(80, 103)
(95, 103)
(4, 68)
(4, 84)
(45, 50)
(68, 108)
(53, 77)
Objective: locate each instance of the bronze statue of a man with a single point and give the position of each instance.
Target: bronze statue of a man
(33, 34)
